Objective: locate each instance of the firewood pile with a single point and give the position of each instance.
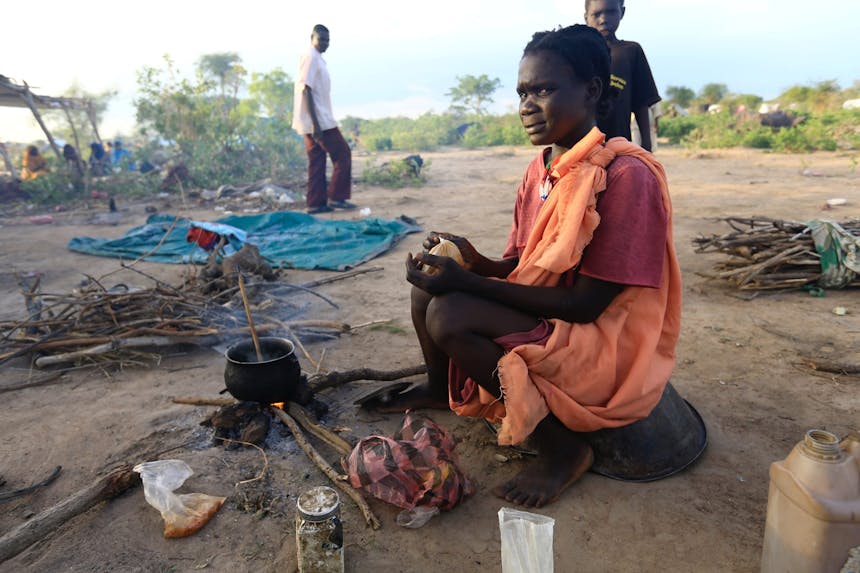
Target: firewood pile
(118, 325)
(767, 254)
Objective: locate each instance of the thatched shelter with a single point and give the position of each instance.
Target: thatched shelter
(20, 95)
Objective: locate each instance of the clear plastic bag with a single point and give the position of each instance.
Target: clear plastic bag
(416, 517)
(526, 541)
(184, 513)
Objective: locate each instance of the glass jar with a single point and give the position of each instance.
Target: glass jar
(319, 531)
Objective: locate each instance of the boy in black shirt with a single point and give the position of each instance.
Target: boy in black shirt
(631, 75)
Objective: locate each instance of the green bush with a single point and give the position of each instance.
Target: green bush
(496, 130)
(677, 128)
(761, 138)
(430, 131)
(394, 174)
(826, 131)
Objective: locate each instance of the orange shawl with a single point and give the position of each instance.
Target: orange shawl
(603, 374)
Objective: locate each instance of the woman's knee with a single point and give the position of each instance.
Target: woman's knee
(445, 316)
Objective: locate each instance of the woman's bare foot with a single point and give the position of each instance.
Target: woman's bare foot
(564, 457)
(418, 398)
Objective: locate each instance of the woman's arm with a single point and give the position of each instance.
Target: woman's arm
(583, 302)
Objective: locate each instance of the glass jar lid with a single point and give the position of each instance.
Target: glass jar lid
(318, 503)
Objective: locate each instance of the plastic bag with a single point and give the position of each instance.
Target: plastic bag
(416, 517)
(184, 513)
(526, 541)
(840, 253)
(416, 467)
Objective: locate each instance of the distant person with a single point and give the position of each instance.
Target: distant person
(33, 164)
(99, 161)
(654, 115)
(73, 162)
(631, 75)
(121, 158)
(314, 119)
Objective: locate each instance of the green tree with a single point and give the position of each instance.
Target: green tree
(681, 95)
(473, 93)
(712, 93)
(224, 67)
(272, 92)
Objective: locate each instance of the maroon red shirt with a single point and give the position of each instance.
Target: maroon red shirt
(630, 242)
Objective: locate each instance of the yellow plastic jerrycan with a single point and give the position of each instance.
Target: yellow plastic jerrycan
(813, 506)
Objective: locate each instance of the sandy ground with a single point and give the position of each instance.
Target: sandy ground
(738, 363)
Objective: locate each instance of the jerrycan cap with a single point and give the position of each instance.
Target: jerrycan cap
(822, 445)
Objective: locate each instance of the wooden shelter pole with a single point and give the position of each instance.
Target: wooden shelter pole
(9, 166)
(28, 97)
(91, 113)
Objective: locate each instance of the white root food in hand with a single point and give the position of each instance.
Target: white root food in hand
(444, 248)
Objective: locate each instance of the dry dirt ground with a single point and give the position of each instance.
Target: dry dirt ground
(739, 363)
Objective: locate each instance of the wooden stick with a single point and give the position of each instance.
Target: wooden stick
(831, 366)
(204, 401)
(43, 381)
(324, 466)
(346, 275)
(320, 363)
(38, 527)
(115, 345)
(250, 319)
(773, 260)
(7, 495)
(203, 336)
(302, 416)
(339, 326)
(370, 323)
(297, 341)
(321, 381)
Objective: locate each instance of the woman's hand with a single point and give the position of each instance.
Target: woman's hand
(472, 259)
(446, 274)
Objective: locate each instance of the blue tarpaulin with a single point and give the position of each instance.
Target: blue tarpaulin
(288, 238)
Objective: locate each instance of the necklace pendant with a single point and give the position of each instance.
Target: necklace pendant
(545, 188)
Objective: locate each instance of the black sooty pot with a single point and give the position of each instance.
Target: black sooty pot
(278, 378)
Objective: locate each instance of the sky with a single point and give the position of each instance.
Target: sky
(399, 57)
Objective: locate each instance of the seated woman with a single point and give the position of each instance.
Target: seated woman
(99, 160)
(574, 329)
(33, 164)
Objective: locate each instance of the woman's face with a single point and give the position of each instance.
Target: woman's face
(555, 107)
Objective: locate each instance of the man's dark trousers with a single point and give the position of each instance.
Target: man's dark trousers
(332, 142)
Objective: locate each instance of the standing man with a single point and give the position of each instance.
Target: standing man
(313, 118)
(630, 74)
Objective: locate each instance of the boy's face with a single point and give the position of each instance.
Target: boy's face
(320, 41)
(604, 16)
(555, 107)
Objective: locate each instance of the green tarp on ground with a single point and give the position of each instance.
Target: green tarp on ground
(290, 239)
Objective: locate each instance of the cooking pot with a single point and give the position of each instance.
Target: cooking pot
(278, 378)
